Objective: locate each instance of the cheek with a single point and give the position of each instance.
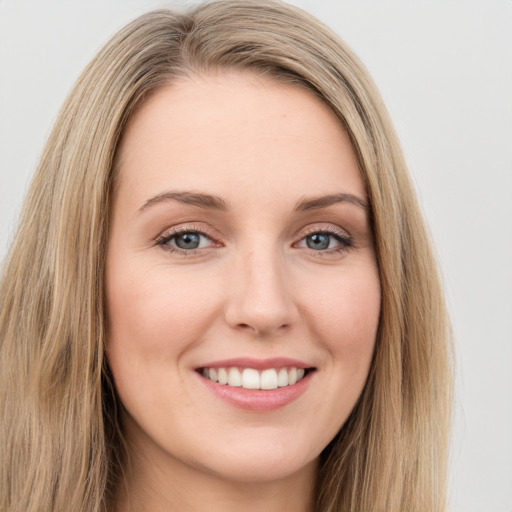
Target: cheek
(345, 317)
(154, 315)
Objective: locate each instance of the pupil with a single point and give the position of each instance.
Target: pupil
(318, 241)
(188, 241)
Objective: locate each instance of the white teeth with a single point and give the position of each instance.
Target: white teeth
(249, 378)
(282, 378)
(222, 375)
(234, 377)
(269, 379)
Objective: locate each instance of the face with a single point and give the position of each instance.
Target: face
(242, 287)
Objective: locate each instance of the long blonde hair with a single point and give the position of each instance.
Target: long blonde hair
(59, 435)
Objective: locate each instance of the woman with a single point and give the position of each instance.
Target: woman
(221, 292)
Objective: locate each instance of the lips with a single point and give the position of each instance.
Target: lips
(259, 385)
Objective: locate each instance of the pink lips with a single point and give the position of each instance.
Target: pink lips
(258, 399)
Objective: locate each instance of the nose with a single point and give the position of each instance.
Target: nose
(260, 295)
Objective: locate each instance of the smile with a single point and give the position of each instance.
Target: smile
(251, 378)
(255, 384)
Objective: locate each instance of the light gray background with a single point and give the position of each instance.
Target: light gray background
(444, 68)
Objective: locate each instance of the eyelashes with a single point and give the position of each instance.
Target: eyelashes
(320, 241)
(187, 240)
(323, 240)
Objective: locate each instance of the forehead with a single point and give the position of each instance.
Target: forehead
(236, 130)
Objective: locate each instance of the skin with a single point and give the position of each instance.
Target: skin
(253, 288)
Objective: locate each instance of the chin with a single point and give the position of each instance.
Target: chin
(262, 460)
(262, 470)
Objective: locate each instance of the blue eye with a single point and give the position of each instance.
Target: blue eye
(323, 241)
(318, 241)
(186, 241)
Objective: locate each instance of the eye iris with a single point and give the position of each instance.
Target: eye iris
(187, 241)
(318, 241)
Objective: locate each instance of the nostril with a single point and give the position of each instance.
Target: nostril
(261, 328)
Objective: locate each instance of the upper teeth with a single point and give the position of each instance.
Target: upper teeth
(249, 378)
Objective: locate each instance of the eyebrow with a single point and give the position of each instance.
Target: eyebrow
(315, 203)
(207, 201)
(212, 202)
